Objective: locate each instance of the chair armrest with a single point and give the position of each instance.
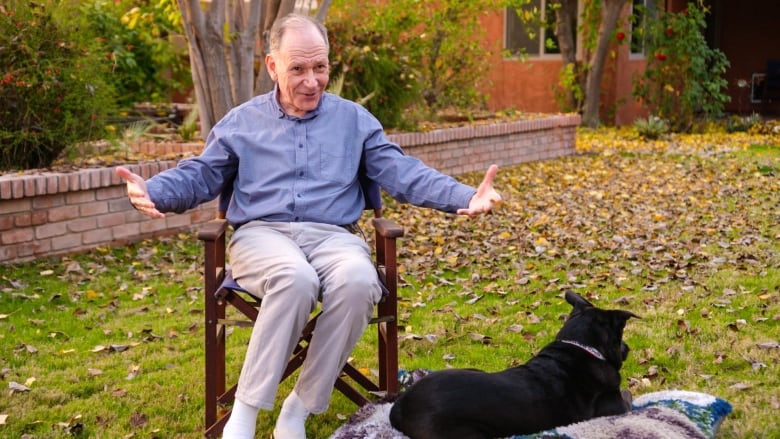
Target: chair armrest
(387, 228)
(212, 230)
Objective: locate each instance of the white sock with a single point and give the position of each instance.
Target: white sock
(291, 420)
(242, 422)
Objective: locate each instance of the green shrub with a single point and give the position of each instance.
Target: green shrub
(430, 52)
(651, 128)
(52, 90)
(738, 123)
(684, 76)
(369, 70)
(138, 39)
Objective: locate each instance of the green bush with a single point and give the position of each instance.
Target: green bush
(137, 37)
(651, 128)
(52, 90)
(422, 57)
(737, 123)
(372, 72)
(684, 76)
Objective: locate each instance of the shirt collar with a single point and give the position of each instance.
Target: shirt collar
(280, 111)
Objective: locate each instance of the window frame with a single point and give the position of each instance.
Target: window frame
(648, 5)
(541, 37)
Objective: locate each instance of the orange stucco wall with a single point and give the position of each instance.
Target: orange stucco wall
(528, 85)
(522, 85)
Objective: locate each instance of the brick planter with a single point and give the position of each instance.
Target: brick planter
(48, 214)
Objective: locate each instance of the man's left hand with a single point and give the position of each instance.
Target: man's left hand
(486, 197)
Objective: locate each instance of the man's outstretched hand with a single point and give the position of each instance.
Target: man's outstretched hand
(486, 197)
(136, 191)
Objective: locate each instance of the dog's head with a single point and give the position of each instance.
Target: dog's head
(596, 328)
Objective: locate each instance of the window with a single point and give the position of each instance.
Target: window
(640, 11)
(520, 40)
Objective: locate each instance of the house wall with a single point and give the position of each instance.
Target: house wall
(749, 34)
(746, 31)
(528, 85)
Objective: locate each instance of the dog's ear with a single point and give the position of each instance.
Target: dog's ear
(621, 317)
(576, 300)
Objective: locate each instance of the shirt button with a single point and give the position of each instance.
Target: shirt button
(299, 195)
(300, 145)
(300, 174)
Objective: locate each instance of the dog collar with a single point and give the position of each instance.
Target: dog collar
(589, 349)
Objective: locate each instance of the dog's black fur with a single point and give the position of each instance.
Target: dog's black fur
(574, 378)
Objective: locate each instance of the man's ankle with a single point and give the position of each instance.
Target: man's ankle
(292, 418)
(242, 422)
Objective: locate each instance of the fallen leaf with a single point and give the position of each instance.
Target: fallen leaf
(16, 387)
(768, 345)
(516, 328)
(741, 386)
(484, 339)
(138, 420)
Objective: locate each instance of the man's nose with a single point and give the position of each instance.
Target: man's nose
(309, 78)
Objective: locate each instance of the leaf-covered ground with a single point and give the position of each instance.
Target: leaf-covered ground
(683, 232)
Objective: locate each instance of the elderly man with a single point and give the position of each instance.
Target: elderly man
(292, 156)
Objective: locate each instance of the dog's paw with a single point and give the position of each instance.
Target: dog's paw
(629, 400)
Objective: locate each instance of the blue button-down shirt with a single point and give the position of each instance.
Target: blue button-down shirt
(285, 168)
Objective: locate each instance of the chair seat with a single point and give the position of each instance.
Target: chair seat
(230, 284)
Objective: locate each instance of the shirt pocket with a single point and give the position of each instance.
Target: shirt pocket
(337, 164)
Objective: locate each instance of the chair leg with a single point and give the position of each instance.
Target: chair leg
(215, 363)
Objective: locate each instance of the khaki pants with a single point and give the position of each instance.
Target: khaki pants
(291, 266)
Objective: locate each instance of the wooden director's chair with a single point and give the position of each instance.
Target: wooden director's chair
(222, 290)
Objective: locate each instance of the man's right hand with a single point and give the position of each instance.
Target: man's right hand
(136, 191)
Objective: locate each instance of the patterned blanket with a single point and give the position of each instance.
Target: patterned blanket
(669, 414)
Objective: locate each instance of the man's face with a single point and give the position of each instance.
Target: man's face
(301, 69)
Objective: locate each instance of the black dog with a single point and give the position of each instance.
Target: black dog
(574, 378)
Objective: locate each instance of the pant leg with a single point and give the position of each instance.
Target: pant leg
(349, 291)
(266, 261)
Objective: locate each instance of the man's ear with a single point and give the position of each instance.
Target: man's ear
(270, 65)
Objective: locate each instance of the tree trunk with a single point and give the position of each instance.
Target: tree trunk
(566, 32)
(273, 9)
(223, 66)
(610, 14)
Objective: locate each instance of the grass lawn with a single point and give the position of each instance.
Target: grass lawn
(684, 232)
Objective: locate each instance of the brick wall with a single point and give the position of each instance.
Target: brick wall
(48, 214)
